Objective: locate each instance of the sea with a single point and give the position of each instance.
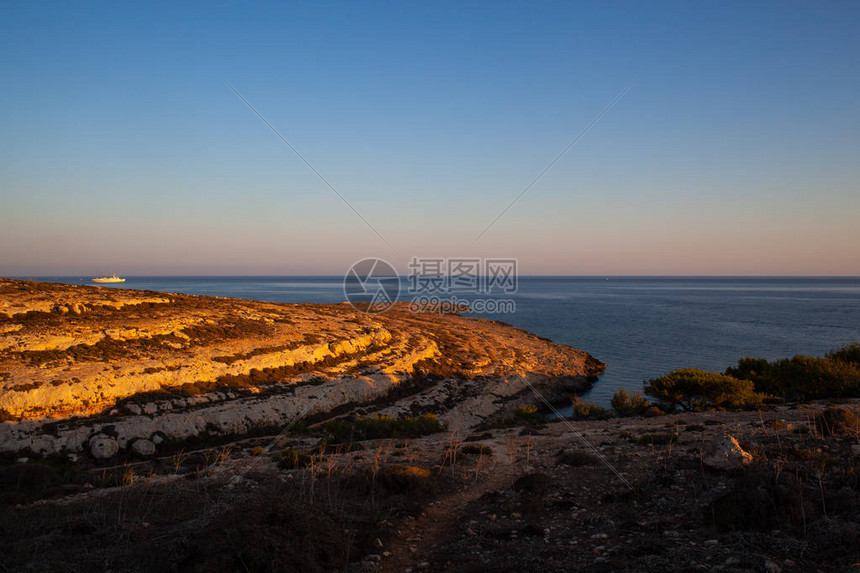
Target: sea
(641, 327)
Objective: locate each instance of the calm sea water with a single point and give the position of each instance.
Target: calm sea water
(641, 327)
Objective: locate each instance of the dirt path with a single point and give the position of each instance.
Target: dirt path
(417, 538)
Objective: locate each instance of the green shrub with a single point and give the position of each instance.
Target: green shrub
(589, 410)
(848, 353)
(811, 378)
(381, 427)
(341, 431)
(805, 377)
(626, 405)
(760, 371)
(529, 414)
(693, 389)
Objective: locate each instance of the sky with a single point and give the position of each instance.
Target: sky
(735, 151)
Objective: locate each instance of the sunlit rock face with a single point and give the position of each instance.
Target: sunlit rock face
(80, 362)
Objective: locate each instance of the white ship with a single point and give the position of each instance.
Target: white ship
(112, 279)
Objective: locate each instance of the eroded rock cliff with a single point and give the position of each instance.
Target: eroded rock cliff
(83, 368)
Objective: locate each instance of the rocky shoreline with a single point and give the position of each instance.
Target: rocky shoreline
(94, 371)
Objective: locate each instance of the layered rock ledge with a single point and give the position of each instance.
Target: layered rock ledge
(105, 370)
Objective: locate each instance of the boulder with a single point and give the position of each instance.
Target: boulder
(103, 447)
(143, 447)
(726, 454)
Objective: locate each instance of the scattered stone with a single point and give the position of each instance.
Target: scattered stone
(103, 447)
(727, 454)
(143, 447)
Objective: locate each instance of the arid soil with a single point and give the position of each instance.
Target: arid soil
(533, 497)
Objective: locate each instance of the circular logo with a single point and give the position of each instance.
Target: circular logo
(371, 285)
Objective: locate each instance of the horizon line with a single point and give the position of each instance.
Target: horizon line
(609, 276)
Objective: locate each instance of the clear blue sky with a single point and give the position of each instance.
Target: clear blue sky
(735, 152)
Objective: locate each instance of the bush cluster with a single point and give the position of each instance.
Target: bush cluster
(748, 384)
(694, 390)
(805, 377)
(382, 427)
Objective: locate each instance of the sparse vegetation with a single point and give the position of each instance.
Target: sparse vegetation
(383, 427)
(625, 404)
(476, 450)
(835, 421)
(291, 459)
(530, 414)
(589, 410)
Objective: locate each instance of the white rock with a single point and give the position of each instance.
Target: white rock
(103, 447)
(143, 447)
(727, 454)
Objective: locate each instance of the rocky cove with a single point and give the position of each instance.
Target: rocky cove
(93, 370)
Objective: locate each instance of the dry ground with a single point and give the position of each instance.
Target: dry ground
(532, 497)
